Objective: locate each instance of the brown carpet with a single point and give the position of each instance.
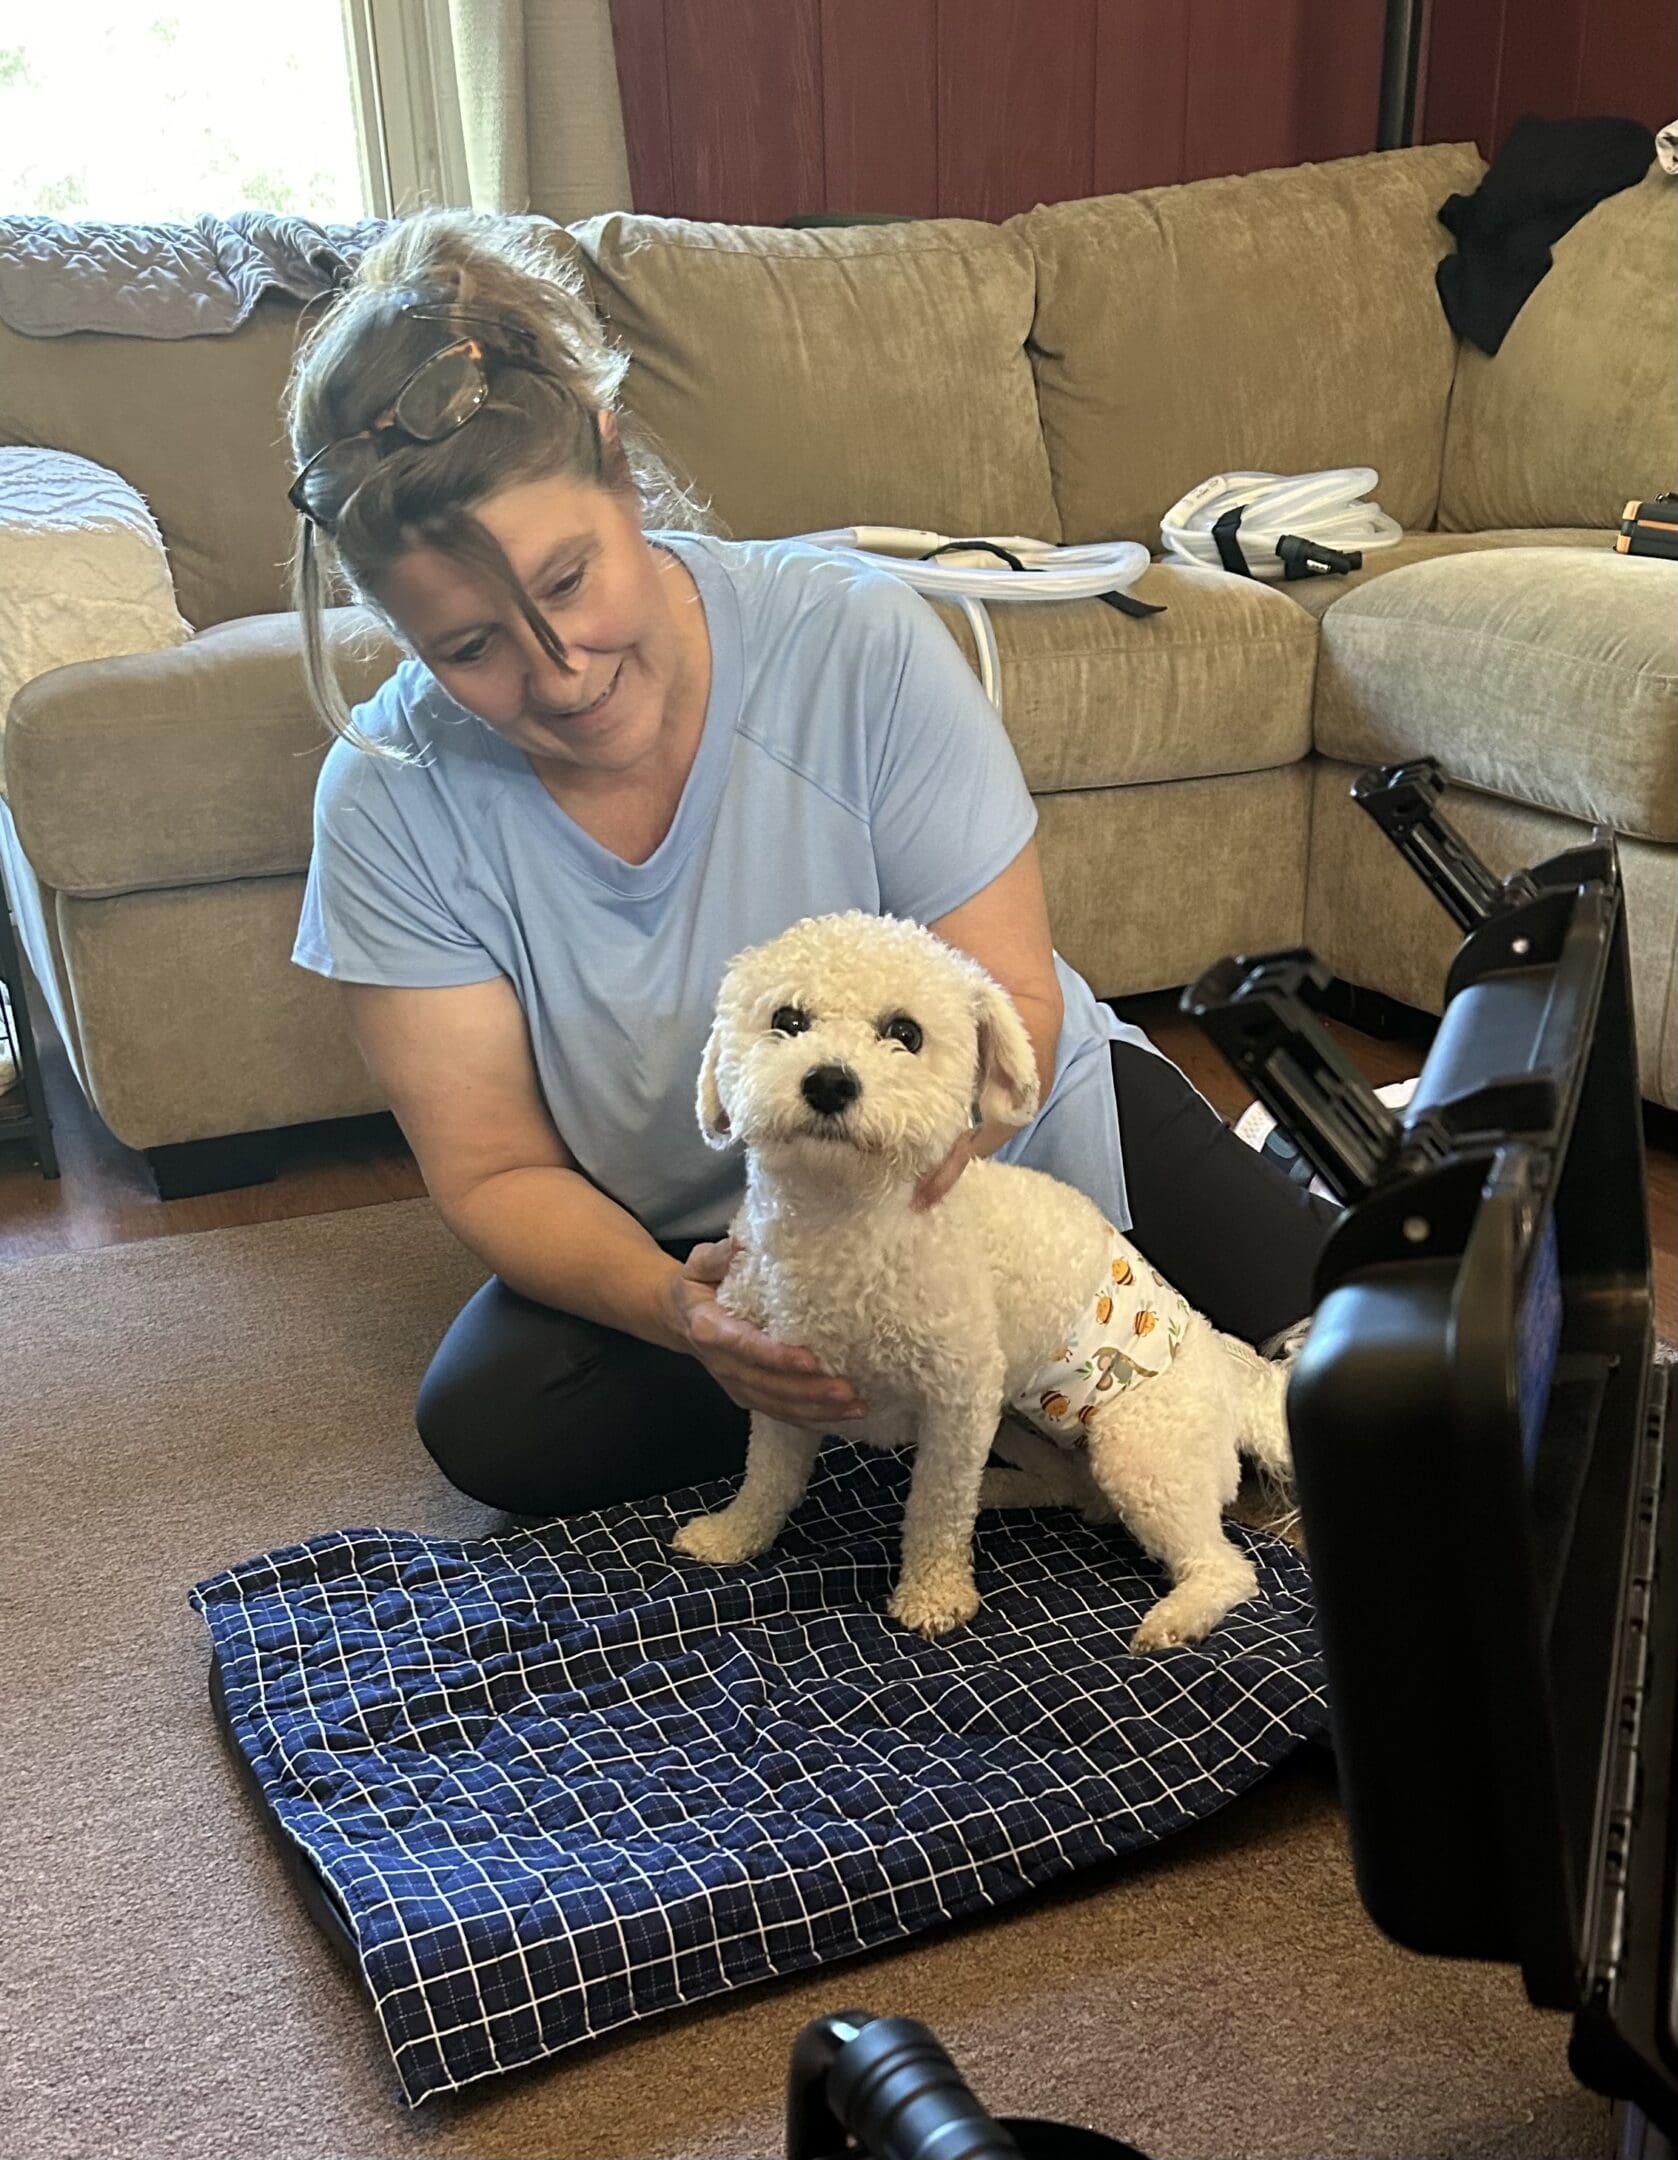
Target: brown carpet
(172, 1406)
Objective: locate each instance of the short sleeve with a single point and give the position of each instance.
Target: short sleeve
(948, 805)
(374, 909)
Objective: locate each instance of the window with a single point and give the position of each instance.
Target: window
(168, 109)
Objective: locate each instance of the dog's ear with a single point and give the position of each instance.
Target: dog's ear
(713, 1118)
(1007, 1093)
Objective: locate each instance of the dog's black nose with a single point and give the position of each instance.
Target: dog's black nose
(828, 1088)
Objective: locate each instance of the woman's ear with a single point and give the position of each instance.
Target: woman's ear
(1008, 1085)
(713, 1118)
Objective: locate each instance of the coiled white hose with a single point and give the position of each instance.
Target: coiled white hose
(976, 572)
(1323, 510)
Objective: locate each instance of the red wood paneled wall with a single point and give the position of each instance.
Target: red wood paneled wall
(759, 110)
(754, 111)
(1488, 61)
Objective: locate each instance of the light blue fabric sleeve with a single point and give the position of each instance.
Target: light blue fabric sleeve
(374, 910)
(949, 808)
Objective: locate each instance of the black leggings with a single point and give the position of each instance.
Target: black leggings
(540, 1413)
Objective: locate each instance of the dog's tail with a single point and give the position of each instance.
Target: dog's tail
(1261, 1388)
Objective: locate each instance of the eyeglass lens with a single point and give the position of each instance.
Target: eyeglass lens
(446, 391)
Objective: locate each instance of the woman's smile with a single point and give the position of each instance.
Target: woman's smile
(578, 719)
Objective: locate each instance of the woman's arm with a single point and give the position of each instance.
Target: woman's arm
(1005, 928)
(457, 1069)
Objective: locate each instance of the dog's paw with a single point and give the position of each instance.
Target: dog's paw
(1159, 1631)
(1189, 1613)
(935, 1605)
(722, 1540)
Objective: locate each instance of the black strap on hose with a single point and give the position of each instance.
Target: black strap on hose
(989, 547)
(1299, 557)
(1120, 600)
(1228, 547)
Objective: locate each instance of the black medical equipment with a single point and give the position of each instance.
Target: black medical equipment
(1481, 1370)
(1481, 1433)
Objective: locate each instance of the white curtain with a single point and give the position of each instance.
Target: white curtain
(540, 114)
(488, 41)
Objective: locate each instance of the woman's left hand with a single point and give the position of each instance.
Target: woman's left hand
(937, 1183)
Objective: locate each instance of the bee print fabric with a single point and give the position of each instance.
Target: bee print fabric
(1129, 1332)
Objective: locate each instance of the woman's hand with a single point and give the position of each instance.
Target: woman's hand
(750, 1368)
(937, 1183)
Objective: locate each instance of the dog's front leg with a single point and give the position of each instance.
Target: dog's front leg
(935, 1588)
(779, 1459)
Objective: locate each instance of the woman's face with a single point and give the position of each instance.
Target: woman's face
(613, 604)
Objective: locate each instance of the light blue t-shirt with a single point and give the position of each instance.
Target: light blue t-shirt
(849, 759)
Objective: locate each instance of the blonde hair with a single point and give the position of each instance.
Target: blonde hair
(551, 371)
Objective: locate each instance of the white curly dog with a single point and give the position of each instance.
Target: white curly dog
(848, 1055)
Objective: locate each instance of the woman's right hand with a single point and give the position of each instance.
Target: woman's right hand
(750, 1367)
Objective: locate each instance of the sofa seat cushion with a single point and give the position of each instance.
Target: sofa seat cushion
(1319, 594)
(1546, 675)
(1220, 683)
(871, 374)
(1280, 321)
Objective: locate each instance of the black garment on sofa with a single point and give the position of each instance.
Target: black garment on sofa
(1543, 180)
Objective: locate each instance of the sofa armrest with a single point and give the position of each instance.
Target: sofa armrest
(83, 572)
(183, 767)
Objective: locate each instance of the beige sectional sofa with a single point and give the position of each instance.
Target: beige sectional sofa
(1067, 374)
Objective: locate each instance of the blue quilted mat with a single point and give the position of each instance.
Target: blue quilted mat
(560, 1781)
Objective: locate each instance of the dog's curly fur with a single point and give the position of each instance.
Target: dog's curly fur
(939, 1317)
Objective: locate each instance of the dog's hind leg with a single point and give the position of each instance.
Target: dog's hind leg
(779, 1459)
(1171, 1497)
(1260, 1388)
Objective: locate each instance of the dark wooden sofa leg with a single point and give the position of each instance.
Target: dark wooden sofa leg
(206, 1166)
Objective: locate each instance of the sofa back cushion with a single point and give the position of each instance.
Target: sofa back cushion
(195, 425)
(872, 374)
(1281, 321)
(192, 423)
(1577, 411)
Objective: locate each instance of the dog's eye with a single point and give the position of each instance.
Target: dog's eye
(789, 1020)
(901, 1029)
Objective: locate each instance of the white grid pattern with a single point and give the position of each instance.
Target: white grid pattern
(561, 1781)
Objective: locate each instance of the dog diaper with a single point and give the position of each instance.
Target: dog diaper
(1129, 1331)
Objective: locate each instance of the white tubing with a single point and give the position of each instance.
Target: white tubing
(984, 644)
(1320, 506)
(975, 579)
(1056, 573)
